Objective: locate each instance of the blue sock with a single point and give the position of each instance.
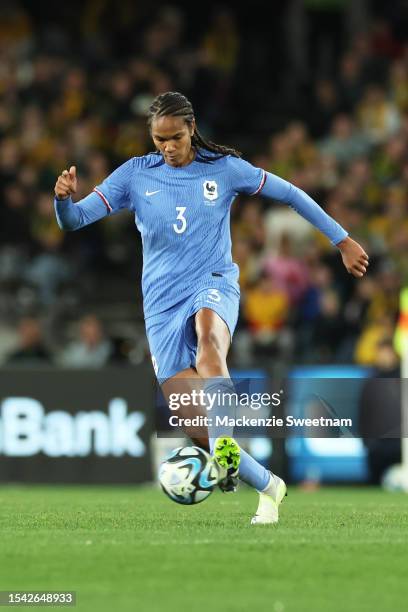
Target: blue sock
(212, 387)
(250, 471)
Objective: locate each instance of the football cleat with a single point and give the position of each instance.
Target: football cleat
(227, 455)
(269, 501)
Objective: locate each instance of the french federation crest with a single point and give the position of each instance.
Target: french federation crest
(210, 190)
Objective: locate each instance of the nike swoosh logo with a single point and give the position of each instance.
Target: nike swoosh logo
(150, 193)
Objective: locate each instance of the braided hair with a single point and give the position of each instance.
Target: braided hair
(174, 104)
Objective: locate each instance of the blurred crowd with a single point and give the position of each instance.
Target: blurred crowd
(350, 154)
(345, 143)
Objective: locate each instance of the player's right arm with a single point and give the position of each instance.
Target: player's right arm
(111, 196)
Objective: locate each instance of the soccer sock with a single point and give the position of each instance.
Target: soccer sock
(250, 471)
(217, 389)
(253, 473)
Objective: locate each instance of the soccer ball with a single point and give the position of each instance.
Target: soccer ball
(395, 478)
(189, 475)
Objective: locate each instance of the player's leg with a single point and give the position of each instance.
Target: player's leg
(173, 362)
(173, 341)
(185, 382)
(213, 342)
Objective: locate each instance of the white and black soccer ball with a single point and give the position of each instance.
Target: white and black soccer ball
(189, 475)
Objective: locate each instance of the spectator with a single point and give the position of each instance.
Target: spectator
(266, 311)
(249, 224)
(31, 350)
(378, 330)
(47, 270)
(91, 350)
(344, 142)
(378, 117)
(350, 81)
(320, 114)
(380, 412)
(289, 272)
(329, 328)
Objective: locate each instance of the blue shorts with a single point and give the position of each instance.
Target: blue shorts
(171, 334)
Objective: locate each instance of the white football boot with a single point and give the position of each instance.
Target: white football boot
(269, 501)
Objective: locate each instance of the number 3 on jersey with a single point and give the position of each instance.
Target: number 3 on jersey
(179, 229)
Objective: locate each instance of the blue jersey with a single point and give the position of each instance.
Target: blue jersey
(183, 215)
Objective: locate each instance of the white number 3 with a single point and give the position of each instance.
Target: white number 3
(179, 229)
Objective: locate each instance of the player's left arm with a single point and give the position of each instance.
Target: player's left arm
(354, 257)
(246, 178)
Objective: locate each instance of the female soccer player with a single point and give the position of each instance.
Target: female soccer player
(181, 196)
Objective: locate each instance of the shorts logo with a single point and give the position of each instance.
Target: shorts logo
(210, 190)
(213, 295)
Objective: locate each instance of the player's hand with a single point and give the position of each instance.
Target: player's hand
(66, 183)
(354, 257)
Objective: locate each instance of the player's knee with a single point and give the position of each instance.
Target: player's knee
(210, 361)
(211, 355)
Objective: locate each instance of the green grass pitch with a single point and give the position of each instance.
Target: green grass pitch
(132, 549)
